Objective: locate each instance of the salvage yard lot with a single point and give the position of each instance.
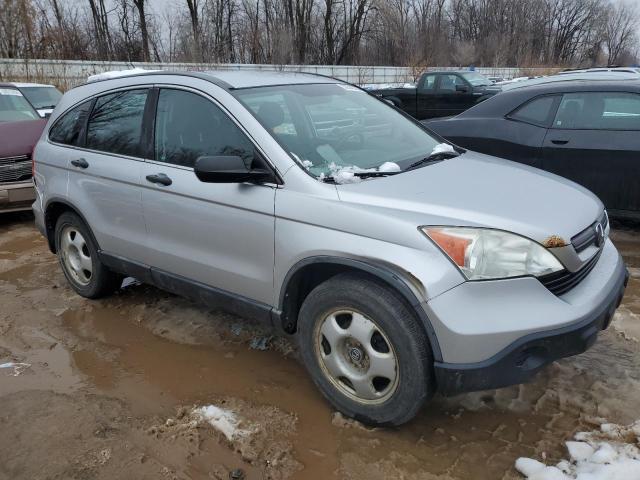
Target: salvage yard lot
(114, 389)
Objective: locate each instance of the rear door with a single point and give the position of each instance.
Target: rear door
(104, 173)
(426, 97)
(217, 234)
(595, 141)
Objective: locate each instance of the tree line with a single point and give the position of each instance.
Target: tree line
(356, 32)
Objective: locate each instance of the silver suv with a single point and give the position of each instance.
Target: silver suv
(404, 265)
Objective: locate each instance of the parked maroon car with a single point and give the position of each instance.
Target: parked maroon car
(20, 129)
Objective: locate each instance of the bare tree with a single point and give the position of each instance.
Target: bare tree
(620, 28)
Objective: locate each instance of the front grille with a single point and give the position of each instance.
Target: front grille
(15, 169)
(588, 236)
(561, 282)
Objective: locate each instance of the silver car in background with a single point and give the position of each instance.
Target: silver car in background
(404, 265)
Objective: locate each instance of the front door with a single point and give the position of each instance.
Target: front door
(595, 141)
(454, 95)
(217, 234)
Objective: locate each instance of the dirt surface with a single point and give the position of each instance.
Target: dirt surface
(109, 389)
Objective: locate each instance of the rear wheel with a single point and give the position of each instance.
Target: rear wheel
(365, 350)
(78, 257)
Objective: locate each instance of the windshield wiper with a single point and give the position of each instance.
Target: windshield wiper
(431, 159)
(364, 175)
(45, 107)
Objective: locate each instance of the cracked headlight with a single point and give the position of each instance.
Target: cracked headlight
(482, 253)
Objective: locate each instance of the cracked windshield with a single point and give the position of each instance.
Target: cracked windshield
(338, 132)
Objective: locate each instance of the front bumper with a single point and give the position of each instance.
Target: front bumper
(16, 196)
(523, 358)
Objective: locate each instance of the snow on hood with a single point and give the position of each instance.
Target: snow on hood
(442, 148)
(117, 74)
(608, 454)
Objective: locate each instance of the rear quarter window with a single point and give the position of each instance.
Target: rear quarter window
(68, 128)
(537, 111)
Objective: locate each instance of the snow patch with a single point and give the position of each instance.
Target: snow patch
(117, 74)
(225, 421)
(346, 174)
(442, 148)
(18, 368)
(608, 454)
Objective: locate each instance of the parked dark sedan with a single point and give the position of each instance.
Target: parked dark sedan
(587, 131)
(439, 94)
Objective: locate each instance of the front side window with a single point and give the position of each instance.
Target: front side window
(476, 79)
(537, 111)
(14, 107)
(189, 126)
(449, 82)
(69, 126)
(339, 126)
(599, 111)
(115, 124)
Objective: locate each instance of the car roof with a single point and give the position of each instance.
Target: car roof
(565, 77)
(7, 85)
(237, 79)
(506, 101)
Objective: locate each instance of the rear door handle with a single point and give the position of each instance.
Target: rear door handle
(160, 178)
(80, 163)
(559, 142)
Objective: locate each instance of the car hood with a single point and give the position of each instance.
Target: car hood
(479, 190)
(19, 138)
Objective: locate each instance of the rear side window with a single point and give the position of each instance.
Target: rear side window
(599, 111)
(189, 126)
(115, 124)
(537, 111)
(69, 126)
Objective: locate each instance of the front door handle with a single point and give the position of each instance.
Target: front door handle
(559, 142)
(160, 178)
(80, 163)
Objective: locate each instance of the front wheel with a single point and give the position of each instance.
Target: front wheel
(365, 350)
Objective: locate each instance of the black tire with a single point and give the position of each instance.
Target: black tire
(102, 281)
(391, 313)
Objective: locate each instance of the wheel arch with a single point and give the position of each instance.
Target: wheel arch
(310, 272)
(52, 211)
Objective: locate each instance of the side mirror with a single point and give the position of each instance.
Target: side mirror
(462, 88)
(229, 169)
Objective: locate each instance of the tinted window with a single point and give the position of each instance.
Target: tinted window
(449, 82)
(189, 126)
(69, 126)
(115, 124)
(428, 82)
(599, 111)
(536, 111)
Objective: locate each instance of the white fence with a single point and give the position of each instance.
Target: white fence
(68, 73)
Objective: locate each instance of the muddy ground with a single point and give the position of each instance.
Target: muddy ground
(108, 388)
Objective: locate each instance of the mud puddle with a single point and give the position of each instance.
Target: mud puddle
(112, 387)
